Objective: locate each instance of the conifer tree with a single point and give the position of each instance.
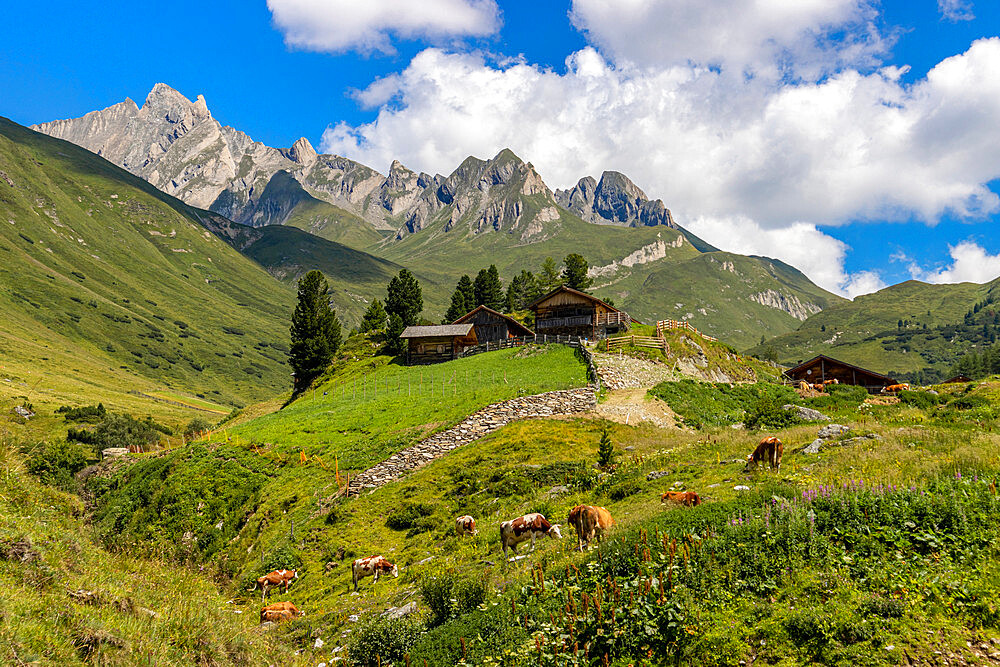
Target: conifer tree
(375, 318)
(315, 330)
(549, 278)
(605, 450)
(404, 298)
(489, 289)
(523, 290)
(575, 272)
(463, 299)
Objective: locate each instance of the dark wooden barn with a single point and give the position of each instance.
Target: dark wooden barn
(958, 379)
(822, 368)
(435, 343)
(492, 326)
(566, 311)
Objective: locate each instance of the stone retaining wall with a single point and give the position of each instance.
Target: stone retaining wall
(487, 420)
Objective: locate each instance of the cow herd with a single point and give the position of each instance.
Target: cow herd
(590, 522)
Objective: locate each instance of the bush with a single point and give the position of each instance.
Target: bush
(196, 426)
(448, 596)
(407, 515)
(119, 431)
(380, 641)
(703, 404)
(767, 412)
(919, 399)
(623, 490)
(87, 413)
(56, 463)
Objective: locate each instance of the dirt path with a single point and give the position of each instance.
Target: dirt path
(631, 406)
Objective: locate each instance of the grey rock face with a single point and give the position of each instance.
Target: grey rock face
(614, 200)
(806, 414)
(833, 430)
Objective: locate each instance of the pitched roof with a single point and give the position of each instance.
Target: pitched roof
(525, 331)
(810, 362)
(435, 330)
(563, 288)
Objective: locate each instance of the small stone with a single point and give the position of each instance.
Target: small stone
(741, 487)
(318, 643)
(833, 430)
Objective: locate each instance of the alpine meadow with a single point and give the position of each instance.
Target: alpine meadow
(583, 334)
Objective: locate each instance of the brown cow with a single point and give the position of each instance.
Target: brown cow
(833, 381)
(465, 525)
(769, 450)
(686, 498)
(276, 579)
(895, 388)
(590, 522)
(527, 527)
(819, 386)
(804, 386)
(372, 567)
(278, 610)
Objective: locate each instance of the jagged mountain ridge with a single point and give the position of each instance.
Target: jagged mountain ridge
(497, 210)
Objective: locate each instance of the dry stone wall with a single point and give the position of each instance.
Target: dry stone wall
(487, 420)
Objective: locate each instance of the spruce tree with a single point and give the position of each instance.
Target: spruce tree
(375, 318)
(549, 278)
(605, 450)
(488, 288)
(396, 325)
(404, 298)
(463, 300)
(523, 290)
(315, 330)
(575, 272)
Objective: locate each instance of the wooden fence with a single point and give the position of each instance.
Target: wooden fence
(664, 325)
(637, 341)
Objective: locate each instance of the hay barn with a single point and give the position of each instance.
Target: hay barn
(822, 368)
(434, 343)
(566, 311)
(492, 326)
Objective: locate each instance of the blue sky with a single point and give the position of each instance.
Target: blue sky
(730, 131)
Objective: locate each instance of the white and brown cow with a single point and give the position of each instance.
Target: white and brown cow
(895, 388)
(279, 611)
(590, 522)
(372, 566)
(465, 525)
(768, 451)
(527, 527)
(276, 579)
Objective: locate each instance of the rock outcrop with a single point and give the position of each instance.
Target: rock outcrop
(614, 200)
(789, 303)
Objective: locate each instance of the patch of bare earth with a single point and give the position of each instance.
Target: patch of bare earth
(633, 406)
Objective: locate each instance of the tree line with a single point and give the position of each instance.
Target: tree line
(316, 332)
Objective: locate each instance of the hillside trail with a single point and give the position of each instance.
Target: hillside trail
(632, 406)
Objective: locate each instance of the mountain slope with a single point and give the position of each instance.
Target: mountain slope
(903, 330)
(99, 263)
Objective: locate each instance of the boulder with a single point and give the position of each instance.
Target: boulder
(833, 430)
(806, 414)
(656, 474)
(393, 613)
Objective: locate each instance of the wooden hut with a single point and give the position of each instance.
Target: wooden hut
(566, 311)
(435, 343)
(958, 379)
(492, 326)
(821, 368)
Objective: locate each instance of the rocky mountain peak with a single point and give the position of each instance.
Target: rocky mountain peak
(302, 152)
(614, 200)
(165, 102)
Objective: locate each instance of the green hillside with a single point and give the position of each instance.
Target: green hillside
(99, 265)
(856, 528)
(913, 331)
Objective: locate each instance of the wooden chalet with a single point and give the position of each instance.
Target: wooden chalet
(492, 326)
(434, 343)
(958, 379)
(821, 368)
(569, 312)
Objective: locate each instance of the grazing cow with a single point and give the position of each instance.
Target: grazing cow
(819, 386)
(372, 566)
(277, 611)
(527, 527)
(276, 579)
(769, 450)
(686, 498)
(465, 525)
(590, 522)
(803, 385)
(895, 388)
(833, 381)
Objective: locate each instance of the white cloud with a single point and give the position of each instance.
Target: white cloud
(969, 263)
(956, 10)
(799, 244)
(342, 25)
(764, 37)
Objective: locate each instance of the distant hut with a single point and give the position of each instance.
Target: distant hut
(822, 368)
(435, 343)
(566, 311)
(492, 326)
(958, 379)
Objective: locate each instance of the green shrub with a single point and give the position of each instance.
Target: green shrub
(492, 634)
(881, 607)
(703, 404)
(379, 641)
(407, 514)
(196, 426)
(86, 413)
(448, 596)
(624, 490)
(767, 413)
(919, 399)
(55, 463)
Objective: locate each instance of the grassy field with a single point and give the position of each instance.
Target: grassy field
(191, 401)
(868, 552)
